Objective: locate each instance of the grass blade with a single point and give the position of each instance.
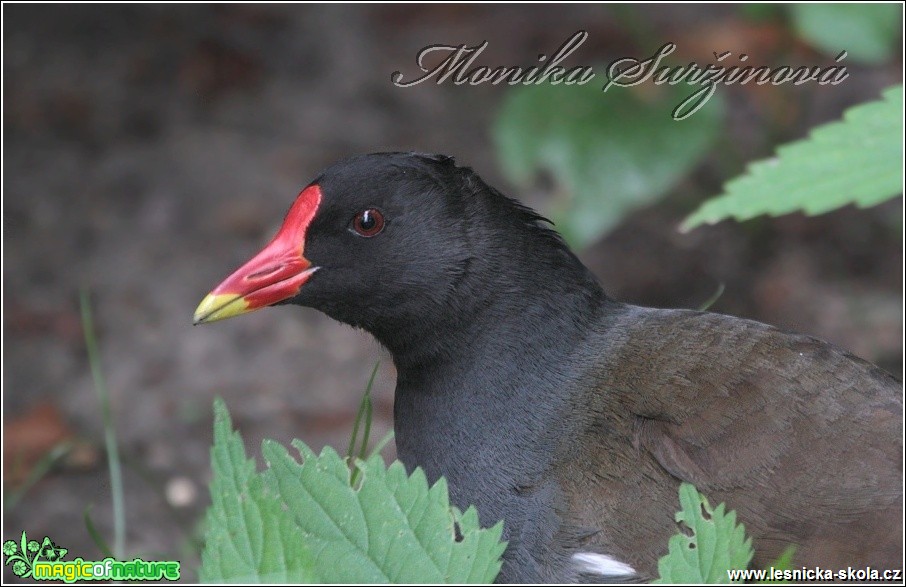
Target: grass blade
(41, 468)
(381, 444)
(714, 297)
(113, 457)
(365, 413)
(368, 415)
(95, 535)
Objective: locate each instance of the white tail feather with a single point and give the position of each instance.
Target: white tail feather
(601, 564)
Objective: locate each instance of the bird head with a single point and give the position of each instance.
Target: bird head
(373, 238)
(406, 246)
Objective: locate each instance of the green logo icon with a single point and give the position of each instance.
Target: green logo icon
(24, 554)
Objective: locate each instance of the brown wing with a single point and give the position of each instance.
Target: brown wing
(801, 438)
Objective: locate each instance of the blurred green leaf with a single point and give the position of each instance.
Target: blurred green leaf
(867, 32)
(784, 562)
(854, 161)
(608, 152)
(716, 544)
(759, 11)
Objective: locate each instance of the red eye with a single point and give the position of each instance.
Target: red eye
(368, 222)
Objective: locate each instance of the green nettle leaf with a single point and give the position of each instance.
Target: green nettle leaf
(306, 522)
(248, 537)
(716, 543)
(608, 152)
(867, 32)
(854, 161)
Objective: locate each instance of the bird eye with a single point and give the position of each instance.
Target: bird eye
(368, 222)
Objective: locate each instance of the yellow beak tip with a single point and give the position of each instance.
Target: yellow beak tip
(219, 307)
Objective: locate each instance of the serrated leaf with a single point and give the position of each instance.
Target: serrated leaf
(867, 32)
(249, 539)
(716, 543)
(394, 528)
(854, 161)
(391, 527)
(608, 152)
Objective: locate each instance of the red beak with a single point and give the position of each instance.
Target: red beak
(275, 274)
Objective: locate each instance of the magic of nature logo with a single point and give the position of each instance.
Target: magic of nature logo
(458, 64)
(44, 561)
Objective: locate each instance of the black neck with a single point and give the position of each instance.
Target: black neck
(468, 404)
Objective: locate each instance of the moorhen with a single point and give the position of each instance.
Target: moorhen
(569, 415)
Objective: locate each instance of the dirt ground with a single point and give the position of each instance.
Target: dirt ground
(149, 150)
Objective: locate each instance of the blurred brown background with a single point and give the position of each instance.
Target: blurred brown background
(149, 150)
